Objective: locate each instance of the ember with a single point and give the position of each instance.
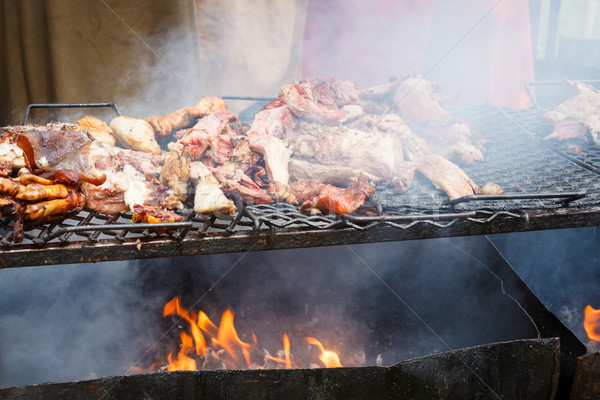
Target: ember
(223, 347)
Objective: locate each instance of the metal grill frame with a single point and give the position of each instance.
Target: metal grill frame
(93, 237)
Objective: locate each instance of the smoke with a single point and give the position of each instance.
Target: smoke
(560, 268)
(70, 322)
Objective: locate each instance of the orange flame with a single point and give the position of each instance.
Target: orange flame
(591, 321)
(183, 362)
(225, 343)
(329, 358)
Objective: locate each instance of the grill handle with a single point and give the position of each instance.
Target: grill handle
(69, 105)
(564, 198)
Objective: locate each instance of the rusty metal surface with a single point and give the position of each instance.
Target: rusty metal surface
(542, 191)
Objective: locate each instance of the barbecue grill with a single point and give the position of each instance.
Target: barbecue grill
(542, 190)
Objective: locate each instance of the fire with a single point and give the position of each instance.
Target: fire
(329, 358)
(591, 322)
(221, 346)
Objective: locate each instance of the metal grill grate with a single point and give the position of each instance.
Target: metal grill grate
(542, 191)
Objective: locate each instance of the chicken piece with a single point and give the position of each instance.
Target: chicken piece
(175, 173)
(209, 197)
(187, 116)
(98, 129)
(446, 176)
(58, 209)
(235, 182)
(316, 197)
(135, 134)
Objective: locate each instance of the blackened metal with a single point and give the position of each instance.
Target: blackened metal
(69, 105)
(587, 376)
(546, 322)
(248, 98)
(564, 198)
(522, 369)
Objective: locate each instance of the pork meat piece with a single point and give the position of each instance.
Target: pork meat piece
(236, 183)
(302, 106)
(568, 129)
(376, 151)
(446, 176)
(583, 107)
(135, 134)
(197, 139)
(209, 197)
(276, 154)
(334, 174)
(273, 122)
(175, 173)
(187, 116)
(97, 129)
(316, 197)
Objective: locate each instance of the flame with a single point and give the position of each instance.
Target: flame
(225, 343)
(329, 358)
(182, 362)
(591, 321)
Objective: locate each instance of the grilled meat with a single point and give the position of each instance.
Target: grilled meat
(187, 116)
(135, 134)
(277, 156)
(333, 173)
(209, 197)
(316, 197)
(445, 175)
(584, 108)
(97, 129)
(236, 183)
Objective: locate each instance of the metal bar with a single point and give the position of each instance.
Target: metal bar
(68, 105)
(563, 197)
(213, 243)
(249, 98)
